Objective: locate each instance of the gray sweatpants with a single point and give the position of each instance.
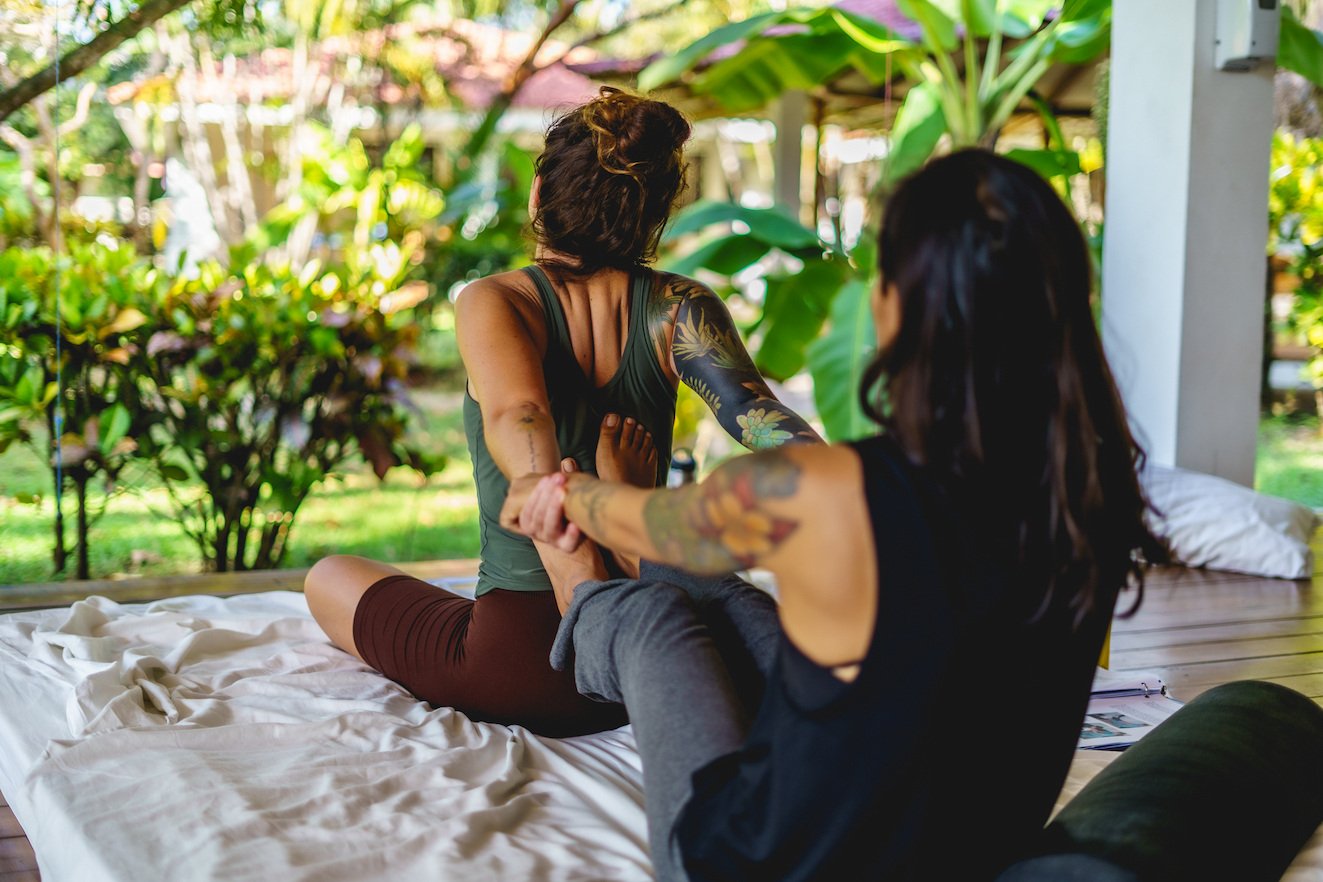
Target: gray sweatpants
(688, 656)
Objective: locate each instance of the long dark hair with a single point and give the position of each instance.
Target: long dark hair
(611, 170)
(996, 382)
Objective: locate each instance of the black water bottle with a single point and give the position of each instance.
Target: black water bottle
(682, 469)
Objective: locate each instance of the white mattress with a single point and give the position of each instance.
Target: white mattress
(206, 738)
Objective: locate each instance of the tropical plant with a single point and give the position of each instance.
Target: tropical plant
(1295, 211)
(64, 367)
(241, 390)
(261, 383)
(345, 201)
(972, 64)
(963, 84)
(17, 218)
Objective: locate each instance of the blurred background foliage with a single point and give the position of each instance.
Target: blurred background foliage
(256, 214)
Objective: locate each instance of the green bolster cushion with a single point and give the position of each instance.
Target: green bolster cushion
(1229, 787)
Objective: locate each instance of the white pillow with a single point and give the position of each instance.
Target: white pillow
(1215, 523)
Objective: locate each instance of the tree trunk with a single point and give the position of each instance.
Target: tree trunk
(80, 485)
(239, 189)
(27, 162)
(197, 146)
(220, 546)
(501, 103)
(59, 554)
(241, 540)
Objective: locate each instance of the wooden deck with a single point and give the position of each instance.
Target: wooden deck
(1199, 628)
(137, 590)
(1196, 629)
(17, 862)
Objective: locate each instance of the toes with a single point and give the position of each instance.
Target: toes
(568, 465)
(611, 426)
(627, 432)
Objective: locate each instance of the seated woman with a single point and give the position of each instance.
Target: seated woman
(577, 357)
(926, 578)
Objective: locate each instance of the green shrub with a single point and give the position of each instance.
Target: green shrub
(69, 372)
(260, 383)
(243, 389)
(1295, 211)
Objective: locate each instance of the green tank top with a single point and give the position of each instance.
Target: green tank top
(639, 389)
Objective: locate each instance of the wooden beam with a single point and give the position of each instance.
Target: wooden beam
(137, 590)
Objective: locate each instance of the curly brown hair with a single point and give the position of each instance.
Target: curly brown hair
(610, 172)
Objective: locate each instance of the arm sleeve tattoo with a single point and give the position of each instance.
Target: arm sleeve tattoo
(721, 524)
(711, 359)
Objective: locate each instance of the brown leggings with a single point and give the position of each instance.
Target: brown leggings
(486, 658)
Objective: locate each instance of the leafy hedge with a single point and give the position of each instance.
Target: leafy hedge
(242, 389)
(1295, 214)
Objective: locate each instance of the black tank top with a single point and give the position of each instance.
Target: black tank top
(945, 755)
(639, 389)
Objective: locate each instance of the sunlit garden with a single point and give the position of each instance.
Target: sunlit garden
(231, 238)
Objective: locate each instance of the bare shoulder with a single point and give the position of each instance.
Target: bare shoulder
(827, 580)
(815, 484)
(500, 297)
(679, 288)
(831, 465)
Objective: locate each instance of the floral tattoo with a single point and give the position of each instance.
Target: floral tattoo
(668, 291)
(721, 524)
(760, 431)
(711, 360)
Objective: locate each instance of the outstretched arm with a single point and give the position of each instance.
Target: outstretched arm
(740, 516)
(710, 358)
(798, 512)
(504, 368)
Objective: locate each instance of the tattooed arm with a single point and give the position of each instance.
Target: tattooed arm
(798, 512)
(709, 356)
(503, 360)
(736, 518)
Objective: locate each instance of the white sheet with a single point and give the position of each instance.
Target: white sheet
(226, 739)
(205, 738)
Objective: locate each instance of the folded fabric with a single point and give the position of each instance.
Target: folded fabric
(1215, 523)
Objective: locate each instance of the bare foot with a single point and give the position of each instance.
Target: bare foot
(567, 570)
(625, 453)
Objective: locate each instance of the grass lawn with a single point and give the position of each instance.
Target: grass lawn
(405, 517)
(1290, 461)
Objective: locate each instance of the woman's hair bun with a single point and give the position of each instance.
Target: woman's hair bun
(634, 135)
(610, 171)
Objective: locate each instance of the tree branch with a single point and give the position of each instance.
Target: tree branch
(75, 61)
(598, 36)
(501, 103)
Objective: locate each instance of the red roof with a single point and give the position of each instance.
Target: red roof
(474, 61)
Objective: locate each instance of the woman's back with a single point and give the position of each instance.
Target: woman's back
(600, 357)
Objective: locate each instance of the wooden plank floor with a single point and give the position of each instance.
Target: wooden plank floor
(141, 589)
(1195, 629)
(1199, 628)
(17, 862)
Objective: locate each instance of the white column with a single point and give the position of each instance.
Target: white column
(790, 116)
(1188, 155)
